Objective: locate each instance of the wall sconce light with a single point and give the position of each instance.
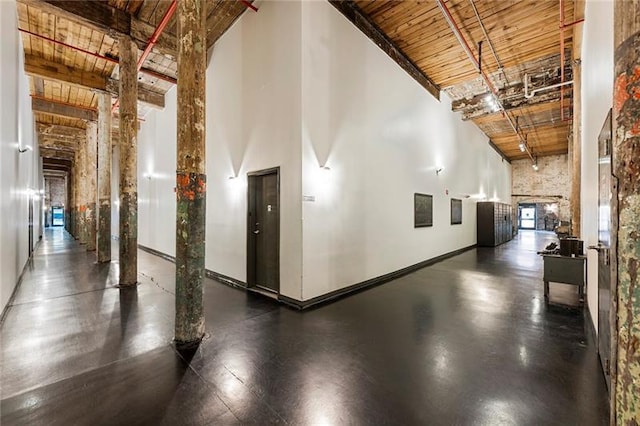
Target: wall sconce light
(23, 149)
(439, 169)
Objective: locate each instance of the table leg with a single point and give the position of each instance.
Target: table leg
(546, 289)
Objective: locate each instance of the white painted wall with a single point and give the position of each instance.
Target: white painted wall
(382, 136)
(297, 86)
(253, 123)
(115, 196)
(597, 95)
(20, 174)
(157, 178)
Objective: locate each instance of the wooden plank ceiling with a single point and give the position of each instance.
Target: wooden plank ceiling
(71, 54)
(525, 35)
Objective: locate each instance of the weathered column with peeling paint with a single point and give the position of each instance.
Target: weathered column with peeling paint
(75, 207)
(576, 154)
(191, 173)
(69, 203)
(104, 178)
(128, 257)
(626, 163)
(82, 192)
(91, 178)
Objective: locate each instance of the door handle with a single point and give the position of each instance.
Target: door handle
(257, 231)
(597, 248)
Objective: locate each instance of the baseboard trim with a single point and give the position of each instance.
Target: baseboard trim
(382, 279)
(5, 310)
(157, 253)
(224, 279)
(590, 325)
(329, 297)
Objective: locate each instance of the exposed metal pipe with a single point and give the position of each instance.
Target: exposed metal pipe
(249, 5)
(571, 24)
(147, 71)
(486, 37)
(156, 34)
(153, 40)
(562, 59)
(541, 89)
(458, 34)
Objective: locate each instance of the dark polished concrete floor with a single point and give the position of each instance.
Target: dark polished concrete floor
(466, 341)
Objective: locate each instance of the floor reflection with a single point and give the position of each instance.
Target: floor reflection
(465, 341)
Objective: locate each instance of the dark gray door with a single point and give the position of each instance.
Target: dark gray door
(263, 231)
(604, 246)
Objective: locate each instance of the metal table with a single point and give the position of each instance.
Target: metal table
(565, 269)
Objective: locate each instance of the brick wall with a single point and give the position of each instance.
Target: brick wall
(550, 184)
(54, 191)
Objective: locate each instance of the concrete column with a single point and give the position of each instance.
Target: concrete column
(191, 174)
(626, 166)
(91, 177)
(82, 191)
(128, 162)
(104, 178)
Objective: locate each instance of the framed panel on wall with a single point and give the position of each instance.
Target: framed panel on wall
(456, 211)
(422, 210)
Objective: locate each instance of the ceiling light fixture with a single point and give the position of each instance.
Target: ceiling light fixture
(476, 63)
(522, 147)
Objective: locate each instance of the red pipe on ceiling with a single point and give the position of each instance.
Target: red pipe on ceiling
(156, 34)
(458, 33)
(147, 71)
(249, 5)
(153, 40)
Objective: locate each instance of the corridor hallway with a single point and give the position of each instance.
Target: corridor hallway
(465, 341)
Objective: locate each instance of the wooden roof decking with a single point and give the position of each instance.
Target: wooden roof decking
(526, 38)
(71, 53)
(525, 34)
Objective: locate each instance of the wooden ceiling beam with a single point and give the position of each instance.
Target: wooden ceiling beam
(101, 17)
(56, 145)
(365, 24)
(39, 67)
(149, 97)
(36, 66)
(56, 154)
(58, 130)
(56, 167)
(63, 110)
(52, 163)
